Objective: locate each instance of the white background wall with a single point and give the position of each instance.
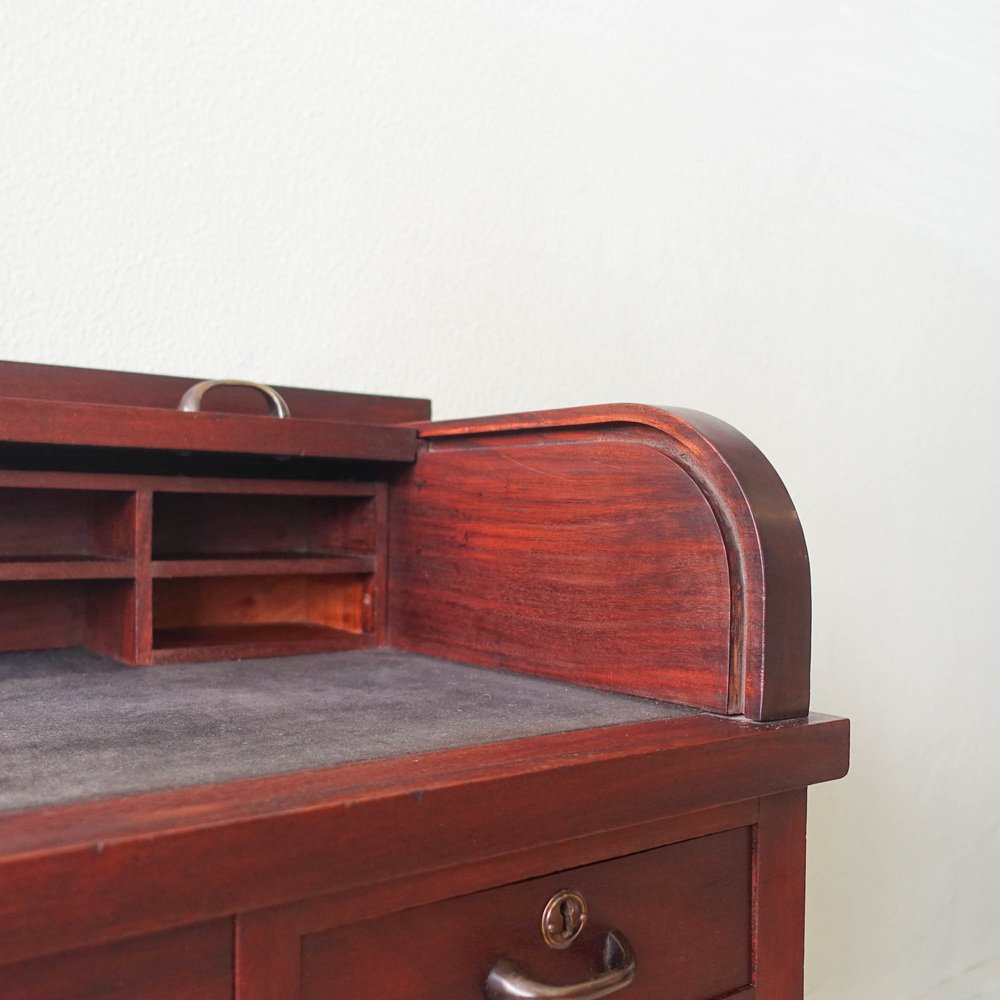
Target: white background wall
(784, 213)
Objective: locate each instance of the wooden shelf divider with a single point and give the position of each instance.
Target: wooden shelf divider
(66, 568)
(263, 565)
(238, 642)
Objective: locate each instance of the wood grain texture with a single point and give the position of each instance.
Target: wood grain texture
(190, 963)
(268, 956)
(770, 610)
(360, 824)
(86, 385)
(330, 601)
(597, 562)
(269, 969)
(780, 892)
(579, 847)
(190, 525)
(106, 426)
(622, 547)
(190, 644)
(684, 908)
(58, 524)
(300, 564)
(43, 614)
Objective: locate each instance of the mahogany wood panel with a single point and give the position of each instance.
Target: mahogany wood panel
(330, 601)
(143, 607)
(85, 385)
(268, 956)
(597, 562)
(66, 568)
(268, 941)
(780, 890)
(189, 525)
(42, 614)
(111, 624)
(684, 908)
(101, 481)
(104, 426)
(190, 963)
(52, 524)
(261, 564)
(765, 548)
(260, 843)
(243, 642)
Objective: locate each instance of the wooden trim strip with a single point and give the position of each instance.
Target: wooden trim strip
(105, 426)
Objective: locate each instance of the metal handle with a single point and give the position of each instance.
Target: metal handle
(507, 981)
(191, 400)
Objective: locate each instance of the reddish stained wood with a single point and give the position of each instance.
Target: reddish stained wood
(141, 645)
(114, 622)
(779, 889)
(38, 524)
(332, 602)
(102, 481)
(190, 963)
(373, 822)
(204, 524)
(768, 563)
(251, 641)
(99, 425)
(70, 568)
(81, 527)
(595, 562)
(361, 841)
(86, 385)
(110, 626)
(268, 953)
(298, 565)
(684, 908)
(579, 847)
(375, 603)
(43, 614)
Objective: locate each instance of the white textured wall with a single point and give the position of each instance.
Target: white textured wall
(786, 213)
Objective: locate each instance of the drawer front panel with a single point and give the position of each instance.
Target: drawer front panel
(686, 909)
(190, 963)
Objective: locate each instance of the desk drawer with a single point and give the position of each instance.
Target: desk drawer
(685, 909)
(190, 963)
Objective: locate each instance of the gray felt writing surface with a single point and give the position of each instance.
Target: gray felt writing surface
(76, 726)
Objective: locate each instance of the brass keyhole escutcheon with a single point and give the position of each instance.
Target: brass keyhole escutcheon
(563, 918)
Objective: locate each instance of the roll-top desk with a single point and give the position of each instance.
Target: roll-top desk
(352, 704)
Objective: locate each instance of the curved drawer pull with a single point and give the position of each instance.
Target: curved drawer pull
(191, 400)
(507, 981)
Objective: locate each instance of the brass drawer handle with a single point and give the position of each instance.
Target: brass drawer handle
(191, 400)
(507, 981)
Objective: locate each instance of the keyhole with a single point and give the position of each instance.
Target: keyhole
(563, 918)
(570, 917)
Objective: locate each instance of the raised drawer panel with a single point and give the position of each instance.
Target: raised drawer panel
(686, 909)
(190, 963)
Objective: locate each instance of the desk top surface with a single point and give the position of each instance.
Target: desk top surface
(75, 726)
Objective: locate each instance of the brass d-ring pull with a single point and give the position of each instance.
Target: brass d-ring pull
(191, 400)
(507, 981)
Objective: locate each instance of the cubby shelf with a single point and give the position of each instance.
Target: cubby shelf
(180, 570)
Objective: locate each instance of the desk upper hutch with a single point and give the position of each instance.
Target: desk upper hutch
(306, 696)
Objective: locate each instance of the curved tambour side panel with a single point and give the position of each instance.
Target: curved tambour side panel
(625, 547)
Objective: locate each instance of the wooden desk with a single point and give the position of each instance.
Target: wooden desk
(252, 749)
